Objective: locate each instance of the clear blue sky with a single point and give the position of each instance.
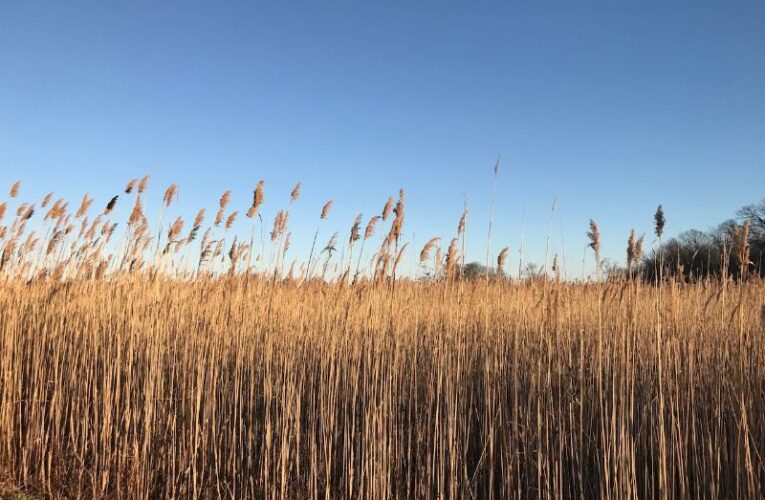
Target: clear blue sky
(613, 107)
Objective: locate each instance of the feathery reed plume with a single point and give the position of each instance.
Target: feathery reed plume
(15, 189)
(21, 209)
(46, 200)
(355, 230)
(388, 208)
(279, 224)
(631, 242)
(110, 205)
(461, 225)
(639, 248)
(594, 235)
(331, 244)
(136, 215)
(295, 194)
(130, 186)
(451, 260)
(58, 210)
(54, 241)
(461, 233)
(218, 218)
(370, 230)
(501, 258)
(224, 199)
(330, 248)
(258, 195)
(170, 194)
(325, 209)
(398, 221)
(232, 253)
(659, 221)
(84, 206)
(257, 201)
(200, 217)
(368, 233)
(231, 219)
(555, 267)
(30, 211)
(143, 184)
(425, 252)
(175, 229)
(3, 209)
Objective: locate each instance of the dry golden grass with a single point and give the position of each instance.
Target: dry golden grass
(124, 379)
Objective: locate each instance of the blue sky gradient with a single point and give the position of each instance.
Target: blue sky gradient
(613, 107)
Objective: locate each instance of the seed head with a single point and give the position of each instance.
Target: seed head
(425, 253)
(130, 186)
(594, 235)
(224, 200)
(170, 194)
(502, 257)
(110, 205)
(325, 209)
(231, 219)
(355, 229)
(388, 208)
(295, 194)
(659, 221)
(370, 230)
(143, 184)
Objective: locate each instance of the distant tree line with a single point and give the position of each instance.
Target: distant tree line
(735, 248)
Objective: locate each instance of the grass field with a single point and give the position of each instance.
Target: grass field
(121, 379)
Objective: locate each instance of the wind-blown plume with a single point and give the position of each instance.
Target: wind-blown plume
(325, 209)
(295, 194)
(451, 259)
(355, 229)
(659, 221)
(130, 186)
(388, 208)
(170, 194)
(110, 205)
(370, 230)
(501, 258)
(231, 219)
(136, 215)
(224, 199)
(425, 253)
(331, 244)
(594, 235)
(257, 200)
(84, 206)
(631, 250)
(143, 184)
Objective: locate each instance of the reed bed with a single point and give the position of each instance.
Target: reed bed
(126, 379)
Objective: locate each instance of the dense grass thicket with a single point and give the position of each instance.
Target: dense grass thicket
(130, 370)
